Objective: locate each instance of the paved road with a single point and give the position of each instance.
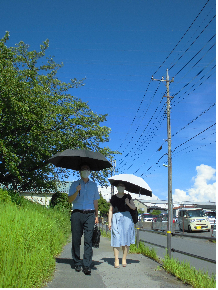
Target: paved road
(141, 272)
(203, 248)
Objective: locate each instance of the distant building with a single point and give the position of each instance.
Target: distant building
(140, 205)
(45, 196)
(162, 205)
(150, 205)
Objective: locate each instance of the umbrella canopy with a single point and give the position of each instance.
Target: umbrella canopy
(132, 183)
(72, 159)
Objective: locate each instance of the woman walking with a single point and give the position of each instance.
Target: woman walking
(121, 224)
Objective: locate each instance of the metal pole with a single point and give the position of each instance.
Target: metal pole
(169, 227)
(137, 237)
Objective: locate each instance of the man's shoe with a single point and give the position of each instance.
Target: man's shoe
(77, 268)
(87, 271)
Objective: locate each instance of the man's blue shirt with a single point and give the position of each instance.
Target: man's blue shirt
(88, 193)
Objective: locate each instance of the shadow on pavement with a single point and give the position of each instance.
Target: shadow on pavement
(65, 260)
(110, 261)
(70, 261)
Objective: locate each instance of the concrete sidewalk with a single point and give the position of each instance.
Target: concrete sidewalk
(141, 272)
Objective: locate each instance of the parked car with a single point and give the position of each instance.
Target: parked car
(213, 233)
(164, 218)
(211, 216)
(175, 219)
(147, 217)
(193, 219)
(139, 216)
(155, 217)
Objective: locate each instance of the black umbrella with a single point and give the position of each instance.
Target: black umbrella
(72, 159)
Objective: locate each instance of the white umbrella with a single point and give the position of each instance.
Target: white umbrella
(133, 184)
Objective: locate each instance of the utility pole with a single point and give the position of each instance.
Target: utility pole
(170, 201)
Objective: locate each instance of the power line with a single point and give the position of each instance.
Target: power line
(172, 102)
(189, 123)
(147, 141)
(177, 152)
(193, 137)
(182, 37)
(163, 64)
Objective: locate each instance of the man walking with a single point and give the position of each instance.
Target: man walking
(84, 195)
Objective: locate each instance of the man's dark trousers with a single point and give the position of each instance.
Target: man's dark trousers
(82, 222)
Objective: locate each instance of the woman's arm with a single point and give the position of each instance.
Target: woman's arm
(130, 203)
(110, 216)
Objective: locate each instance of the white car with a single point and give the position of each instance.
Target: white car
(147, 217)
(193, 219)
(211, 217)
(213, 234)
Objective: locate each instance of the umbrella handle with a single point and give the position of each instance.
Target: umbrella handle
(79, 190)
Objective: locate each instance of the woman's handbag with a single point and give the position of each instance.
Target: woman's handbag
(134, 214)
(96, 237)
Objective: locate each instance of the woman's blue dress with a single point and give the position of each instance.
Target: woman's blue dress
(122, 227)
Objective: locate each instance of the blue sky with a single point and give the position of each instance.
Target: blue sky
(117, 46)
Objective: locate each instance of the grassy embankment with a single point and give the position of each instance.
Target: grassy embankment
(181, 270)
(31, 236)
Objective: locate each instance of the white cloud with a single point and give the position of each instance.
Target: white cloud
(203, 189)
(106, 192)
(180, 195)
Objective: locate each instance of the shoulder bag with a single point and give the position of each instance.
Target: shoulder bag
(96, 237)
(134, 214)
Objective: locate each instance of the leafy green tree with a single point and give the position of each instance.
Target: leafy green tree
(60, 200)
(103, 206)
(140, 211)
(156, 212)
(38, 118)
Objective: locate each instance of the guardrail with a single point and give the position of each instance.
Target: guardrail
(162, 229)
(138, 229)
(174, 250)
(160, 226)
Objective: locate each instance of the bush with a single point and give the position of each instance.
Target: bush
(4, 196)
(17, 198)
(60, 201)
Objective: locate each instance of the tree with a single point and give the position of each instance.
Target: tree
(103, 206)
(140, 211)
(38, 118)
(60, 200)
(156, 212)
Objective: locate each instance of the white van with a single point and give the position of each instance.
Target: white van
(193, 219)
(211, 217)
